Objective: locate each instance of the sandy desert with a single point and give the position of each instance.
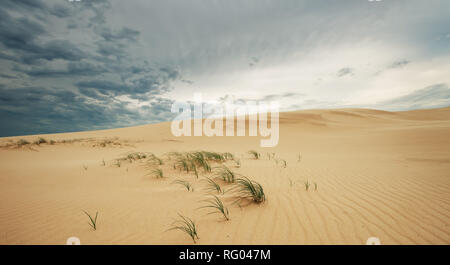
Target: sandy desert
(336, 177)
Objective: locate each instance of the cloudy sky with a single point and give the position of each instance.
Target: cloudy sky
(95, 64)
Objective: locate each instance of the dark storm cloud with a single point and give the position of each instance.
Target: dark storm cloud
(69, 83)
(61, 110)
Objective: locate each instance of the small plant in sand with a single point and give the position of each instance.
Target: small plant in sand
(315, 186)
(283, 163)
(39, 141)
(185, 184)
(103, 162)
(299, 158)
(228, 156)
(22, 142)
(248, 189)
(85, 167)
(157, 173)
(307, 184)
(186, 225)
(135, 156)
(152, 159)
(226, 174)
(214, 186)
(216, 204)
(201, 159)
(118, 163)
(93, 221)
(237, 163)
(254, 154)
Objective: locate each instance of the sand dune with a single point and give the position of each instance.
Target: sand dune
(381, 174)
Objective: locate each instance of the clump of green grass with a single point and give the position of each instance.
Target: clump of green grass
(201, 158)
(254, 153)
(216, 204)
(134, 156)
(182, 163)
(307, 184)
(248, 189)
(153, 159)
(184, 183)
(93, 221)
(226, 174)
(187, 225)
(22, 142)
(214, 186)
(40, 141)
(157, 173)
(228, 156)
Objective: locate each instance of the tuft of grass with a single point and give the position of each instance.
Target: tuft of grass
(103, 162)
(248, 189)
(284, 163)
(184, 183)
(85, 167)
(307, 184)
(299, 159)
(315, 186)
(118, 164)
(216, 204)
(157, 172)
(255, 154)
(155, 160)
(22, 142)
(93, 221)
(238, 163)
(228, 156)
(214, 186)
(39, 141)
(187, 225)
(226, 174)
(201, 159)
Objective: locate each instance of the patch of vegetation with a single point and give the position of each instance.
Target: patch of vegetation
(93, 221)
(248, 189)
(185, 184)
(216, 204)
(186, 225)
